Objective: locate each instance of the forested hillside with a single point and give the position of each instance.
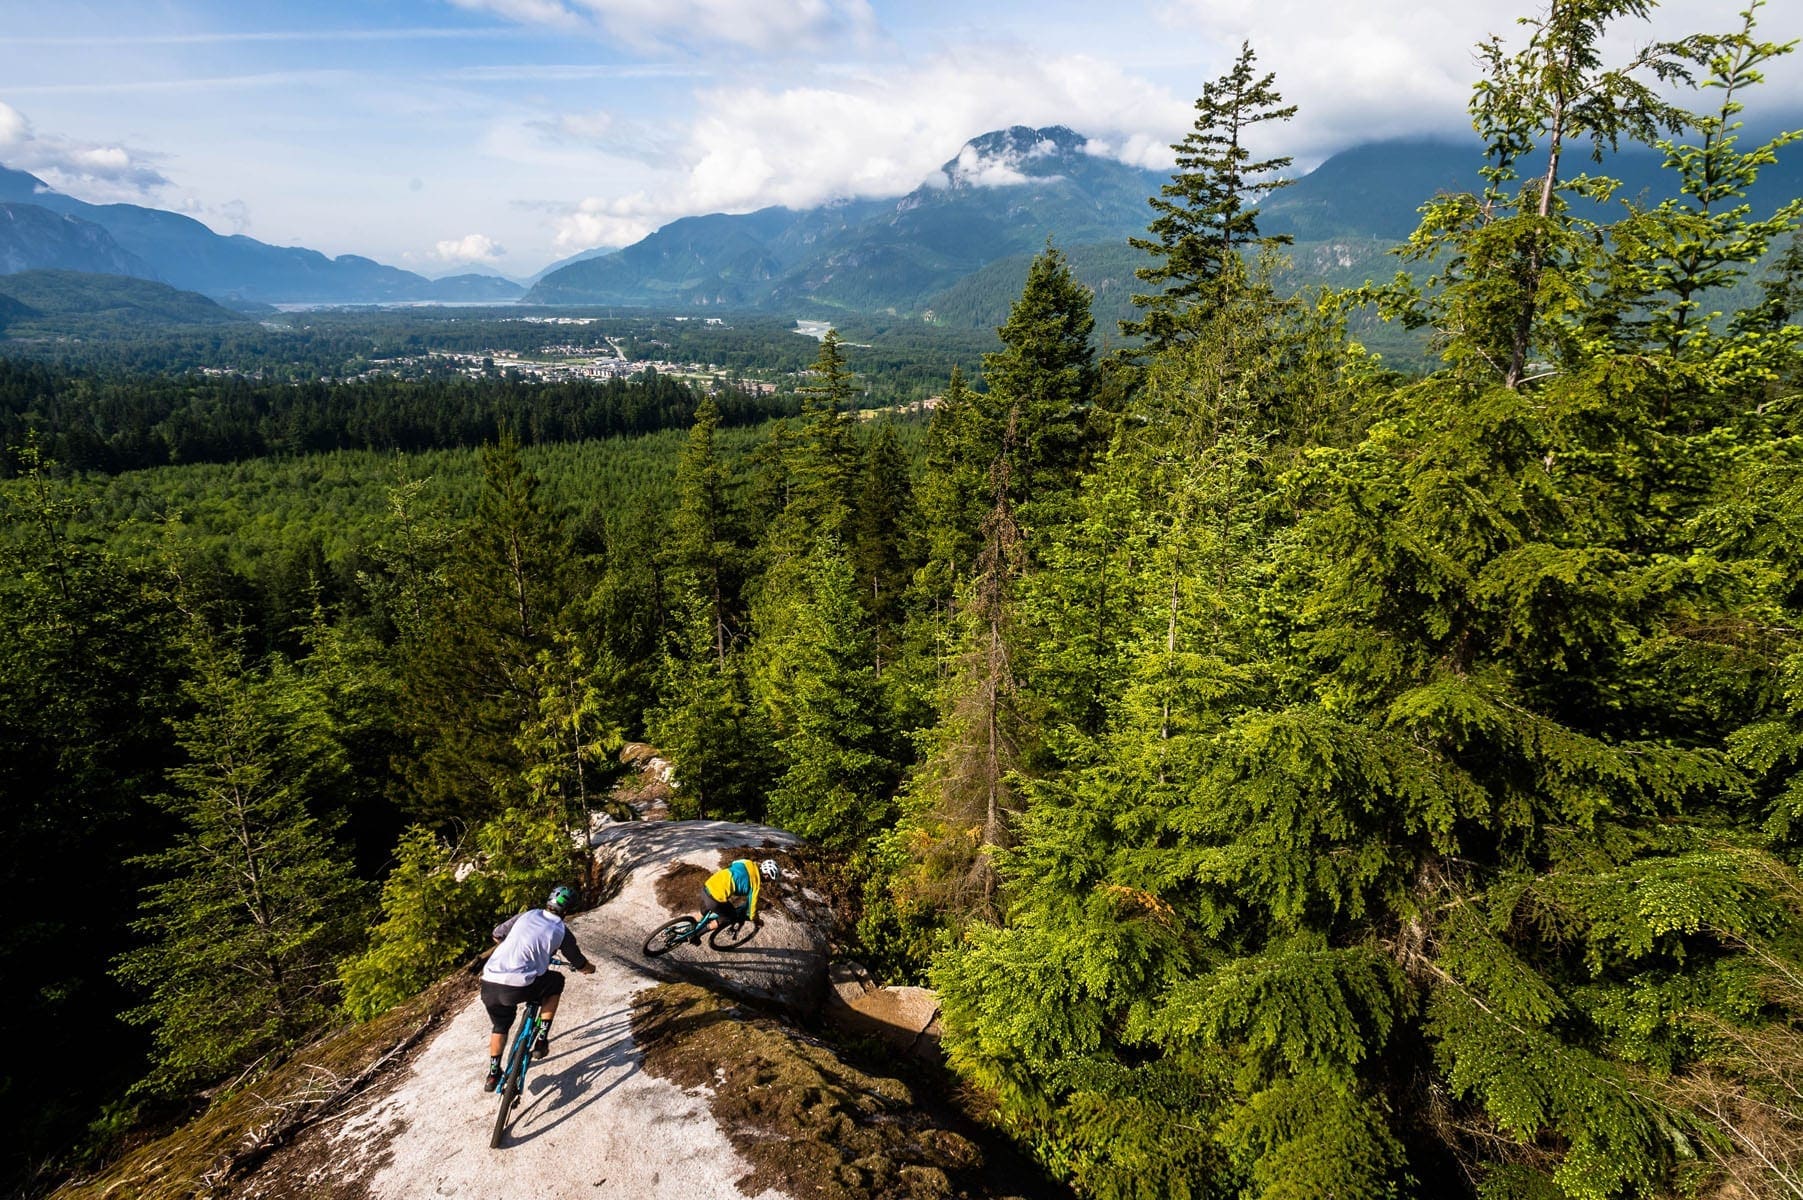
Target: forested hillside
(1298, 777)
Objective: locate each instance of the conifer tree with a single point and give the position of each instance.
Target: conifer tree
(1209, 210)
(1668, 257)
(962, 801)
(564, 748)
(950, 492)
(825, 456)
(621, 623)
(254, 901)
(701, 530)
(838, 767)
(707, 724)
(469, 683)
(412, 558)
(883, 539)
(1040, 383)
(1512, 260)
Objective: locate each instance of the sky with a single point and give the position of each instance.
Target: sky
(501, 135)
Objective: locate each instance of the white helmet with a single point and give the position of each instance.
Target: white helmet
(769, 870)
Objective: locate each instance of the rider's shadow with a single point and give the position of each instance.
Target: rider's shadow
(566, 1082)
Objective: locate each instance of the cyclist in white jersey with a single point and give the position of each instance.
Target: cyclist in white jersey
(519, 970)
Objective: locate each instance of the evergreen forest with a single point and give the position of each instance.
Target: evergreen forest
(1299, 776)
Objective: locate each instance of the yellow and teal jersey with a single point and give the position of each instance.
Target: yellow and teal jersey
(736, 881)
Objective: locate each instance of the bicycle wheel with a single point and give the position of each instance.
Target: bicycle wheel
(510, 1092)
(730, 937)
(669, 935)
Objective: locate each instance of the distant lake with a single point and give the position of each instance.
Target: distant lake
(814, 329)
(328, 305)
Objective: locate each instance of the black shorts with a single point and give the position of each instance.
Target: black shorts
(730, 913)
(502, 1000)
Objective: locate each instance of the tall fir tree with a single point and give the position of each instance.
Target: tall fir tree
(254, 901)
(469, 682)
(824, 459)
(950, 493)
(1208, 212)
(1041, 383)
(838, 754)
(702, 540)
(884, 539)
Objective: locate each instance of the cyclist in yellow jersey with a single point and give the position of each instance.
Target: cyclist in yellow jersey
(738, 881)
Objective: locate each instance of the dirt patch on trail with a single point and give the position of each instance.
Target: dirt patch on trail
(811, 1126)
(679, 887)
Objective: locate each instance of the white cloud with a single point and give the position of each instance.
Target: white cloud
(86, 170)
(1389, 68)
(470, 248)
(620, 221)
(775, 26)
(879, 134)
(999, 170)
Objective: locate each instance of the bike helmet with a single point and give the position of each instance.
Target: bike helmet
(769, 870)
(561, 898)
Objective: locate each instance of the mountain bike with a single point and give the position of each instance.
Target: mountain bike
(513, 1075)
(687, 931)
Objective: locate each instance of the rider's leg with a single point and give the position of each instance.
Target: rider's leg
(501, 1002)
(722, 912)
(547, 990)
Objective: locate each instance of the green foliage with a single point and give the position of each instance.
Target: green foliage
(820, 684)
(441, 899)
(431, 920)
(1397, 779)
(1208, 210)
(1040, 382)
(88, 670)
(707, 724)
(253, 901)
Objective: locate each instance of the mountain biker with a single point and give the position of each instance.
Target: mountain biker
(738, 880)
(518, 970)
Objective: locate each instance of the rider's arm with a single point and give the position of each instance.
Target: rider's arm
(572, 951)
(753, 877)
(504, 927)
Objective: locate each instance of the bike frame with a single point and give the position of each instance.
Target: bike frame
(520, 1052)
(519, 1060)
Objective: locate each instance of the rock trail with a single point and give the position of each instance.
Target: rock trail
(592, 1122)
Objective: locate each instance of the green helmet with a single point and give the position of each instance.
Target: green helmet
(560, 899)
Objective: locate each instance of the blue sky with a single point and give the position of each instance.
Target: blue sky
(503, 134)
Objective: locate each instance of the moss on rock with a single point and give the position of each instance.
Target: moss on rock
(810, 1125)
(202, 1157)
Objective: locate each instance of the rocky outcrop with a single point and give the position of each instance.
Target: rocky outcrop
(905, 1018)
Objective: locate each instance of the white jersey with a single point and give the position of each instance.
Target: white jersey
(527, 945)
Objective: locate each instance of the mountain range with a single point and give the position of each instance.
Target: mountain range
(953, 250)
(956, 249)
(42, 228)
